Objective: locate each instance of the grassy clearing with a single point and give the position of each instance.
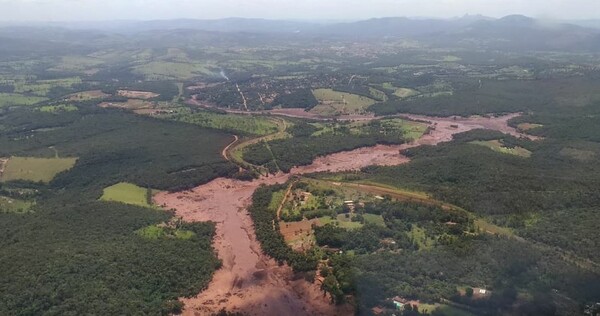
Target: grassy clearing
(374, 219)
(163, 232)
(498, 146)
(11, 99)
(378, 94)
(126, 193)
(346, 222)
(58, 108)
(417, 234)
(162, 70)
(35, 169)
(10, 205)
(410, 130)
(42, 87)
(131, 104)
(405, 92)
(276, 200)
(523, 127)
(490, 228)
(87, 95)
(335, 103)
(137, 94)
(77, 63)
(242, 124)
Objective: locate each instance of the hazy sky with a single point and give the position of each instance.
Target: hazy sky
(80, 10)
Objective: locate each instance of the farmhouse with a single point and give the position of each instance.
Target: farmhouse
(401, 302)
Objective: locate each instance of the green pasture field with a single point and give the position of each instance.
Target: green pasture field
(497, 146)
(159, 70)
(405, 92)
(126, 193)
(162, 232)
(10, 205)
(418, 235)
(332, 102)
(42, 87)
(11, 99)
(410, 130)
(243, 124)
(35, 169)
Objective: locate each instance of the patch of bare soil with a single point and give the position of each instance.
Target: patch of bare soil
(251, 282)
(137, 94)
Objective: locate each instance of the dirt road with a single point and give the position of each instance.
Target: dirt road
(249, 281)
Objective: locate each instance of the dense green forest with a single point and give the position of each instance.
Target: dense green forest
(77, 255)
(304, 146)
(476, 97)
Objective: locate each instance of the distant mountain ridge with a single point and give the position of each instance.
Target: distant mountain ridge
(513, 32)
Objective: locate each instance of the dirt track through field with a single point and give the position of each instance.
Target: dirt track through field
(251, 282)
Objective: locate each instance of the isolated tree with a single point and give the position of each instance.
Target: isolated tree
(469, 291)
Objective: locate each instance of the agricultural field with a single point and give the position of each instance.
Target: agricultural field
(128, 193)
(163, 70)
(35, 169)
(333, 103)
(13, 99)
(241, 124)
(498, 146)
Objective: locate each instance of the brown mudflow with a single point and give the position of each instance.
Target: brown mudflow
(251, 282)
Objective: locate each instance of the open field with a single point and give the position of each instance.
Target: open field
(137, 94)
(42, 87)
(35, 169)
(523, 127)
(243, 124)
(159, 70)
(336, 103)
(498, 146)
(126, 193)
(163, 231)
(11, 99)
(405, 92)
(77, 63)
(87, 95)
(398, 91)
(11, 205)
(58, 108)
(131, 104)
